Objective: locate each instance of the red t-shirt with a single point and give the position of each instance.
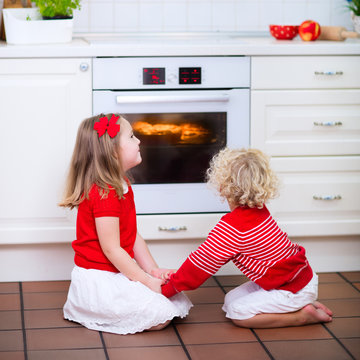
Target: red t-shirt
(88, 252)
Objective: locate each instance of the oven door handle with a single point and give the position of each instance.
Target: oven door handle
(128, 99)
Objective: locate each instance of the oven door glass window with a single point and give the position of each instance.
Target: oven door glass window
(177, 147)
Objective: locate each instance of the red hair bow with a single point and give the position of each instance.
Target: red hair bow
(111, 126)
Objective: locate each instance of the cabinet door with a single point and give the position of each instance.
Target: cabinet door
(312, 122)
(42, 102)
(319, 196)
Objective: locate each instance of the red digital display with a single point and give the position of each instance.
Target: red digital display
(190, 75)
(154, 76)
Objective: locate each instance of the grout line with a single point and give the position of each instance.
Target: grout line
(23, 320)
(104, 345)
(262, 344)
(348, 281)
(181, 341)
(338, 341)
(218, 282)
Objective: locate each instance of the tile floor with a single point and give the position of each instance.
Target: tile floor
(32, 328)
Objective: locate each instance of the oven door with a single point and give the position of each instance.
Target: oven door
(179, 131)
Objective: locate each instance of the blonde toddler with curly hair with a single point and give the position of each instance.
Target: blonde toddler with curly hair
(282, 290)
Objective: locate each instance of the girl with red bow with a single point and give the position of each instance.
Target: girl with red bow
(116, 283)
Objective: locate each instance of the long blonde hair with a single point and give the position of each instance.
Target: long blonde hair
(243, 177)
(95, 160)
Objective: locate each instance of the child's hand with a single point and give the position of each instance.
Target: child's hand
(163, 274)
(154, 284)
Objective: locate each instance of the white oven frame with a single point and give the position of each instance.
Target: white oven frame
(181, 198)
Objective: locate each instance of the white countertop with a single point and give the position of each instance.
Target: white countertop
(178, 44)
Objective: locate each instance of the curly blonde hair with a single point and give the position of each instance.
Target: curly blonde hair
(243, 177)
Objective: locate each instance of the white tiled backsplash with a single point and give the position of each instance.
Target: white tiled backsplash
(204, 15)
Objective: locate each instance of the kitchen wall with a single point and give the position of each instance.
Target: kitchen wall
(204, 15)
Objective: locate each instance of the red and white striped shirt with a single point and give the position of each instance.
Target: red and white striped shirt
(250, 238)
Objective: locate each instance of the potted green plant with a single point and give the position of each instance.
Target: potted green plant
(57, 9)
(354, 7)
(28, 26)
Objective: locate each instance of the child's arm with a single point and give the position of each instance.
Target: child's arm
(109, 237)
(145, 260)
(204, 262)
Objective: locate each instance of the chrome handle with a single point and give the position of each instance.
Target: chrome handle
(171, 99)
(329, 73)
(328, 123)
(172, 228)
(327, 197)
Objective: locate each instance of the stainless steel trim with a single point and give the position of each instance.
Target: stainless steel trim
(171, 99)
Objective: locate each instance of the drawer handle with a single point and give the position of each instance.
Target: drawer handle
(172, 228)
(328, 123)
(329, 73)
(327, 197)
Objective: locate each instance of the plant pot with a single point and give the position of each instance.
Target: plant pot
(356, 22)
(20, 30)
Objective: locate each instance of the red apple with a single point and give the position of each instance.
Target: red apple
(309, 30)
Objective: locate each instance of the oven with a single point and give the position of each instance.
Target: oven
(183, 110)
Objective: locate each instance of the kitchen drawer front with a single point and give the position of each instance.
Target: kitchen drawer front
(305, 72)
(313, 122)
(177, 226)
(318, 196)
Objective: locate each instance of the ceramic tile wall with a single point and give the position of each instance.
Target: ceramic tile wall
(204, 15)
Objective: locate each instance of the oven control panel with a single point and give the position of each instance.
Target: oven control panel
(157, 76)
(171, 72)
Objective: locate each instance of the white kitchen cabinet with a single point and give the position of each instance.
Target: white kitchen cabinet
(42, 102)
(305, 114)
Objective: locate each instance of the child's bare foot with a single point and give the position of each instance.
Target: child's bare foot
(310, 314)
(319, 305)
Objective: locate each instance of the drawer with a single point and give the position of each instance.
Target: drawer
(305, 72)
(178, 226)
(318, 196)
(312, 122)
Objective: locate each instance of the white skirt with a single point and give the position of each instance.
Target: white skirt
(110, 302)
(249, 299)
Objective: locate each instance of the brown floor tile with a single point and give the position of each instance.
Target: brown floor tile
(88, 354)
(357, 285)
(204, 313)
(232, 280)
(345, 327)
(45, 286)
(9, 302)
(329, 278)
(353, 345)
(43, 319)
(13, 355)
(207, 333)
(51, 300)
(210, 282)
(313, 349)
(163, 337)
(243, 351)
(11, 340)
(67, 338)
(10, 320)
(206, 295)
(337, 291)
(343, 307)
(9, 287)
(352, 276)
(148, 353)
(294, 333)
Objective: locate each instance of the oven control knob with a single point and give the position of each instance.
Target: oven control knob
(172, 78)
(84, 66)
